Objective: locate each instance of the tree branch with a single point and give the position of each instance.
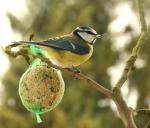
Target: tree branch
(143, 36)
(26, 52)
(148, 125)
(82, 77)
(126, 112)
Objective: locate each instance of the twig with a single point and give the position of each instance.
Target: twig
(126, 112)
(147, 125)
(146, 112)
(91, 82)
(82, 77)
(143, 36)
(143, 111)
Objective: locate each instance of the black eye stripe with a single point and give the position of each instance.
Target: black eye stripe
(89, 32)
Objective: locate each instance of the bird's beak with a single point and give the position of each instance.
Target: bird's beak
(98, 36)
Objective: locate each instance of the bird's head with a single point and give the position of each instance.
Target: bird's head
(87, 34)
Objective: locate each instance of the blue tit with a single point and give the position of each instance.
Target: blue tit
(70, 50)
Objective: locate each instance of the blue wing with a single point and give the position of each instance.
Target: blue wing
(62, 44)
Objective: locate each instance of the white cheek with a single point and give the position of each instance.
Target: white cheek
(87, 37)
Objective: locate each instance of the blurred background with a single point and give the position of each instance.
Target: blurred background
(82, 106)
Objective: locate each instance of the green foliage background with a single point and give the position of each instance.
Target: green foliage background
(79, 107)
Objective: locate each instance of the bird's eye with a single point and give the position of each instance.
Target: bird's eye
(89, 32)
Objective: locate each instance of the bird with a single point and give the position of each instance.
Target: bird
(69, 50)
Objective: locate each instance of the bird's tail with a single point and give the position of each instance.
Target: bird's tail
(44, 43)
(31, 44)
(18, 44)
(23, 42)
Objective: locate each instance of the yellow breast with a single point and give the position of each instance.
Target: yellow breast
(66, 59)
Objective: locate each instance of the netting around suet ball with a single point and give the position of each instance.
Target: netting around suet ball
(41, 88)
